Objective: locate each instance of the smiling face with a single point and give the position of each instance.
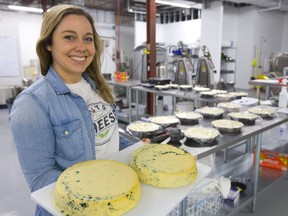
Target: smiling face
(72, 47)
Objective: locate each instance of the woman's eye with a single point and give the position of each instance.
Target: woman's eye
(69, 37)
(88, 39)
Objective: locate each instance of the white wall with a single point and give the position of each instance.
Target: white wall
(269, 27)
(171, 33)
(230, 24)
(27, 29)
(258, 34)
(211, 33)
(284, 44)
(229, 38)
(141, 33)
(245, 47)
(107, 33)
(187, 31)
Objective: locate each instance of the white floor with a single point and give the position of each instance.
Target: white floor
(15, 196)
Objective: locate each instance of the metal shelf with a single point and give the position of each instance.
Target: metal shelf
(243, 167)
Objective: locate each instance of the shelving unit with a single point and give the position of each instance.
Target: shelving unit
(228, 66)
(244, 165)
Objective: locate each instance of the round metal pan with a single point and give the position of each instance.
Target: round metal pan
(211, 112)
(192, 118)
(224, 97)
(264, 112)
(196, 143)
(142, 129)
(227, 126)
(193, 136)
(165, 121)
(229, 106)
(245, 117)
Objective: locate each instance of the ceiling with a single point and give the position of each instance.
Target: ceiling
(140, 5)
(108, 5)
(264, 5)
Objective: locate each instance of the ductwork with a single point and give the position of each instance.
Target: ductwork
(279, 6)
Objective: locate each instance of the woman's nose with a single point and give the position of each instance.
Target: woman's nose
(80, 46)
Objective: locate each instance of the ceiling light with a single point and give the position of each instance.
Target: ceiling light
(27, 9)
(172, 3)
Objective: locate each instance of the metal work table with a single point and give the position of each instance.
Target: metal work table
(128, 85)
(227, 140)
(175, 93)
(267, 83)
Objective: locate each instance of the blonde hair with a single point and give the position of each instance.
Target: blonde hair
(51, 20)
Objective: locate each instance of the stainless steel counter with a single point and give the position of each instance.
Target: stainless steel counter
(267, 83)
(175, 93)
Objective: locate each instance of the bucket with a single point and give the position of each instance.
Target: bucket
(120, 76)
(184, 106)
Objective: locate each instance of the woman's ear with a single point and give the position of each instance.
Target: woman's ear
(48, 47)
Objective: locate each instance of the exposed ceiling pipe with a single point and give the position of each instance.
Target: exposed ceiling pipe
(280, 2)
(130, 10)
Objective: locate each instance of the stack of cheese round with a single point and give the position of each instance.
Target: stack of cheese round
(97, 187)
(163, 165)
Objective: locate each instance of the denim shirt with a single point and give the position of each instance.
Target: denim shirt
(52, 129)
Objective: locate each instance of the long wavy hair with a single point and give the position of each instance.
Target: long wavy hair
(51, 20)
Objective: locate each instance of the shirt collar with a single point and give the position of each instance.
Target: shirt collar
(58, 84)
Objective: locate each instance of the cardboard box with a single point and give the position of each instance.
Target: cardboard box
(273, 160)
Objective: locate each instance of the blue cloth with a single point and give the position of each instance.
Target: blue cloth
(52, 130)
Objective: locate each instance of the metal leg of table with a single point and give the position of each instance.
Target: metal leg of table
(137, 105)
(267, 92)
(225, 154)
(173, 104)
(129, 104)
(256, 170)
(258, 93)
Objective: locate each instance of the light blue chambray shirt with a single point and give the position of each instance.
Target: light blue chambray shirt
(52, 129)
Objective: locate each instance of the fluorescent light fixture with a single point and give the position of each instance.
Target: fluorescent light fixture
(139, 12)
(172, 3)
(27, 9)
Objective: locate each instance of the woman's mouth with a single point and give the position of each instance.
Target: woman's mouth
(78, 59)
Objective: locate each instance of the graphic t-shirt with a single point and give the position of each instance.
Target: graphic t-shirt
(103, 117)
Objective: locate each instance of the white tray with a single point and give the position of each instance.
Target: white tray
(154, 201)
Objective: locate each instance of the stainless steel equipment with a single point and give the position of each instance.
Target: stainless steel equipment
(185, 70)
(205, 70)
(278, 61)
(161, 70)
(185, 66)
(140, 68)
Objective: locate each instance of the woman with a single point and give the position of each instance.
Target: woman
(67, 116)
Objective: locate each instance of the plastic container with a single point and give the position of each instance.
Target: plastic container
(283, 132)
(283, 99)
(184, 106)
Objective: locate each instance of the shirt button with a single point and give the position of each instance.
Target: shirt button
(66, 132)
